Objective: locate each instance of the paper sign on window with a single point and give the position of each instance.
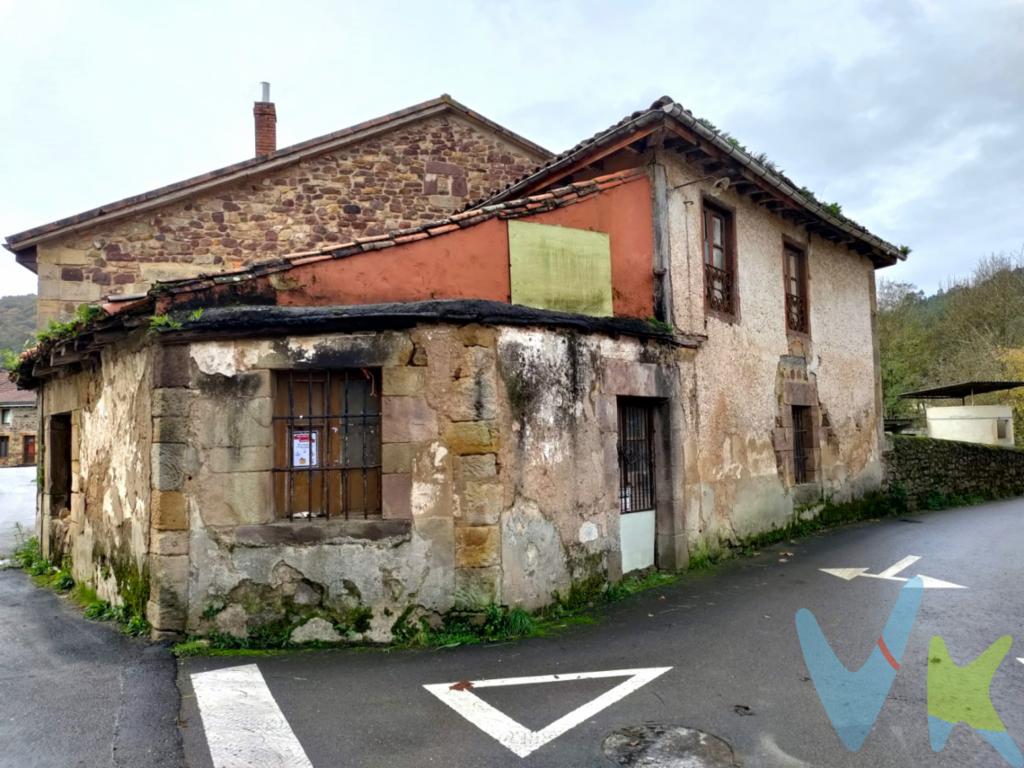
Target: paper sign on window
(304, 449)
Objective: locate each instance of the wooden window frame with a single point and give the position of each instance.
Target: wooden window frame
(728, 213)
(342, 475)
(789, 244)
(5, 447)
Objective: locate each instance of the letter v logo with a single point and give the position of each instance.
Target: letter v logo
(852, 700)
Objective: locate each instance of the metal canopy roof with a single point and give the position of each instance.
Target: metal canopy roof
(965, 389)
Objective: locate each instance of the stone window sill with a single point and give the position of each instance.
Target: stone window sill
(285, 533)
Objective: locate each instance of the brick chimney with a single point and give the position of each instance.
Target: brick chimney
(265, 117)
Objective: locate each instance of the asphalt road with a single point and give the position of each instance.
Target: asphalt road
(729, 636)
(78, 693)
(17, 505)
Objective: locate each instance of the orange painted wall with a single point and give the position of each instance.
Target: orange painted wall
(463, 264)
(624, 212)
(473, 263)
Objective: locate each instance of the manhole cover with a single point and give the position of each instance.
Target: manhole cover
(667, 746)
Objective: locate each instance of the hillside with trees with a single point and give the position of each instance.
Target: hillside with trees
(971, 329)
(17, 321)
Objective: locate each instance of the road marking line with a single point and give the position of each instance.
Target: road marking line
(889, 574)
(520, 739)
(244, 726)
(902, 565)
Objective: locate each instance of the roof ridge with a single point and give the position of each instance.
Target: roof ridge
(283, 156)
(667, 107)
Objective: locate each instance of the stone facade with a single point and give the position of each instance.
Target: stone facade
(416, 173)
(922, 467)
(19, 433)
(95, 502)
(751, 371)
(500, 476)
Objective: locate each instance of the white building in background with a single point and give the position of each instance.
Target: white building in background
(969, 423)
(985, 424)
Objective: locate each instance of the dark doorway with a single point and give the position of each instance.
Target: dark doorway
(58, 455)
(803, 445)
(636, 483)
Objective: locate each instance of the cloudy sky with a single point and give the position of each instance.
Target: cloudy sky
(910, 114)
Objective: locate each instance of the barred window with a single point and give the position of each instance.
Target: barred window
(327, 444)
(719, 260)
(795, 269)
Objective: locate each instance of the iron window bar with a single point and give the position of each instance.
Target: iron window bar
(320, 469)
(718, 288)
(636, 457)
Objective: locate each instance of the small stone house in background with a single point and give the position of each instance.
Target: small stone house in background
(19, 421)
(649, 343)
(405, 168)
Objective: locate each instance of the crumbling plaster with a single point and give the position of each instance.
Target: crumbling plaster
(737, 405)
(499, 460)
(106, 530)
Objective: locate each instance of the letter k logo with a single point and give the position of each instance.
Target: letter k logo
(852, 700)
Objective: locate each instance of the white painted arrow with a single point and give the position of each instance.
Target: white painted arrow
(889, 574)
(517, 737)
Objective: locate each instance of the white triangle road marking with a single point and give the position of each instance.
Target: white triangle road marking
(520, 739)
(243, 724)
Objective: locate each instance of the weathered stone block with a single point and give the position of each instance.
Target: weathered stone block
(474, 398)
(475, 588)
(407, 419)
(481, 503)
(396, 496)
(633, 379)
(252, 458)
(236, 498)
(171, 402)
(799, 393)
(472, 437)
(481, 466)
(168, 465)
(170, 429)
(477, 336)
(169, 543)
(397, 457)
(233, 423)
(406, 380)
(316, 630)
(169, 511)
(171, 367)
(165, 618)
(477, 546)
(232, 621)
(168, 579)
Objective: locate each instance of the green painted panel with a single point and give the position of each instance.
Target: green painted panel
(560, 268)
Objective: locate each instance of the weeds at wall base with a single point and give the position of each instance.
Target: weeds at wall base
(29, 558)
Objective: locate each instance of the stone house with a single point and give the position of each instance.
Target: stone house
(19, 420)
(652, 342)
(399, 170)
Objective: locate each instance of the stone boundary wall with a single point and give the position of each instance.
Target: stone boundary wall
(923, 467)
